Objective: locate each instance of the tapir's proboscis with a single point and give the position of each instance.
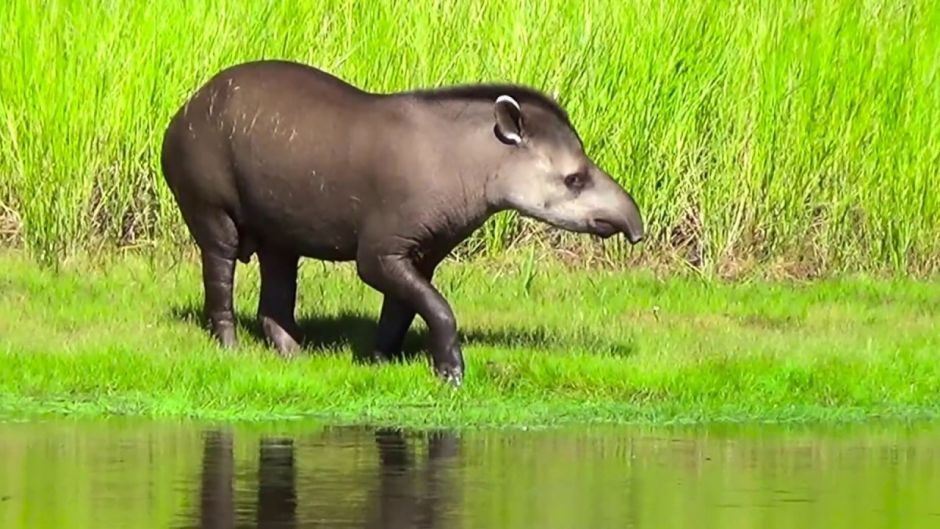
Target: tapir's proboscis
(283, 160)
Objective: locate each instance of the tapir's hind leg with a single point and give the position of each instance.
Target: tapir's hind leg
(395, 318)
(217, 238)
(218, 273)
(194, 178)
(278, 299)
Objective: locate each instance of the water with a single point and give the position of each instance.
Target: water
(127, 474)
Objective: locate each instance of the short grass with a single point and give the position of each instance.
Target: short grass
(545, 344)
(793, 134)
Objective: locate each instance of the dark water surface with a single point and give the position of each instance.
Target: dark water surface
(130, 474)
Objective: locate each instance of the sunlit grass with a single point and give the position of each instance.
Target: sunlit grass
(548, 346)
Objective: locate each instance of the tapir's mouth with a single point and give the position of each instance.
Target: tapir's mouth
(608, 228)
(603, 228)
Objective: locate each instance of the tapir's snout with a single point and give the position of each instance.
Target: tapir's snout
(631, 223)
(621, 215)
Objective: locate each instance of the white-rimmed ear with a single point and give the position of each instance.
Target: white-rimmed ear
(508, 115)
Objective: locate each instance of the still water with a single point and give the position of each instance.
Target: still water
(127, 474)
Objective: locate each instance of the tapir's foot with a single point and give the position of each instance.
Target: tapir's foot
(377, 356)
(224, 334)
(450, 374)
(449, 366)
(283, 340)
(450, 370)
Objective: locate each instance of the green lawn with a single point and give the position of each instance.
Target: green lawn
(544, 345)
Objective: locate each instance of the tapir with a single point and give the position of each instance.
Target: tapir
(283, 160)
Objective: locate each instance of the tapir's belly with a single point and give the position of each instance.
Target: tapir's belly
(314, 217)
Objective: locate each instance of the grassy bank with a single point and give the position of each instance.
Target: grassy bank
(544, 345)
(788, 134)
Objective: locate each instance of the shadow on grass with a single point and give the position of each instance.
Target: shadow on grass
(336, 333)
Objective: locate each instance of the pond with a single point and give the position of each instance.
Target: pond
(141, 474)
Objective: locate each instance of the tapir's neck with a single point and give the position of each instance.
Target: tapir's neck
(462, 131)
(476, 147)
(478, 155)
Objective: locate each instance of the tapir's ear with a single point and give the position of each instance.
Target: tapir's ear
(508, 120)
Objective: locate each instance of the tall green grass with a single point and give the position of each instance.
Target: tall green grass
(800, 134)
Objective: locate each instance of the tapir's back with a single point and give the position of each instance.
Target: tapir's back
(253, 111)
(288, 118)
(284, 147)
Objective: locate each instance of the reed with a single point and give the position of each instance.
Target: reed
(795, 134)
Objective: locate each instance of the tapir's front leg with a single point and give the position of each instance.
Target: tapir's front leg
(396, 275)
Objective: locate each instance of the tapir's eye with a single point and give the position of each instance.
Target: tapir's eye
(576, 181)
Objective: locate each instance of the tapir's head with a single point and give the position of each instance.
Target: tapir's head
(545, 174)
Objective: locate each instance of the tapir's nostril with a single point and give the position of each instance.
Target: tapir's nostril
(607, 227)
(634, 238)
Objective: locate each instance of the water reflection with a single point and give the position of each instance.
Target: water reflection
(84, 474)
(217, 508)
(277, 494)
(404, 496)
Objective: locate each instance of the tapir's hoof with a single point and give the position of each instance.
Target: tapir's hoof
(378, 357)
(289, 349)
(285, 344)
(286, 347)
(451, 375)
(225, 336)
